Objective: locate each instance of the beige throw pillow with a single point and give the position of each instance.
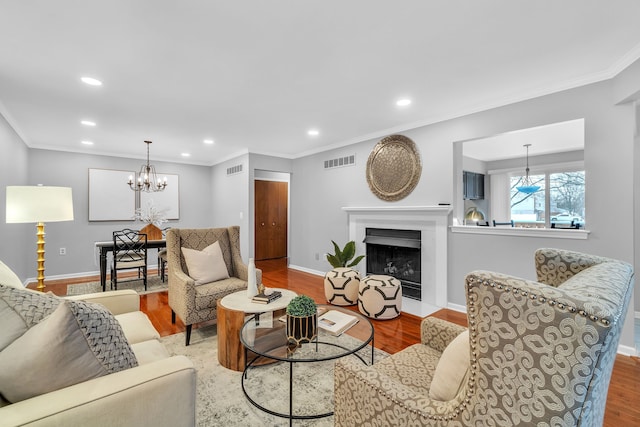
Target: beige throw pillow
(76, 343)
(452, 369)
(206, 266)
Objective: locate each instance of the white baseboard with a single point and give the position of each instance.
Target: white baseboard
(75, 275)
(457, 307)
(307, 270)
(64, 276)
(625, 350)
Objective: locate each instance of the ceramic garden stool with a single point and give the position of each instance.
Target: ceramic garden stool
(380, 297)
(341, 286)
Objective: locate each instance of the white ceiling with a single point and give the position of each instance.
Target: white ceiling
(548, 139)
(255, 75)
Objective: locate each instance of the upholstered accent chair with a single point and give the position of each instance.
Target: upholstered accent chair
(535, 353)
(191, 299)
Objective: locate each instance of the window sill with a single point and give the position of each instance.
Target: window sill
(555, 233)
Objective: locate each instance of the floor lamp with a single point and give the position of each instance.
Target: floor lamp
(39, 204)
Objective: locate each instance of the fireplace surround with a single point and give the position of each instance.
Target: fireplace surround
(432, 223)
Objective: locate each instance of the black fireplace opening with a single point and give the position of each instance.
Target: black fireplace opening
(396, 253)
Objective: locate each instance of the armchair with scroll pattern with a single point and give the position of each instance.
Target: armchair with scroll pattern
(540, 352)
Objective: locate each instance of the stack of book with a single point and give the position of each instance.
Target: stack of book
(263, 298)
(336, 322)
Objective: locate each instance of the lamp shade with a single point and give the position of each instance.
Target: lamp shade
(474, 214)
(528, 189)
(39, 204)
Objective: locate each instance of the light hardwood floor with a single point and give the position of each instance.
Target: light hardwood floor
(390, 335)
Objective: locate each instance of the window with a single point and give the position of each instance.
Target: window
(559, 203)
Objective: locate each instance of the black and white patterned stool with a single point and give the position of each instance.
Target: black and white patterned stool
(341, 286)
(380, 297)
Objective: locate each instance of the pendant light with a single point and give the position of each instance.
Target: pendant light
(527, 186)
(147, 179)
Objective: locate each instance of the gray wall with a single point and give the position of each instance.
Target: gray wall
(231, 199)
(78, 236)
(318, 195)
(14, 170)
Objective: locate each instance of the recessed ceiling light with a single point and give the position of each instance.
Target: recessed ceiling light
(91, 81)
(313, 132)
(88, 123)
(208, 141)
(87, 142)
(403, 102)
(185, 154)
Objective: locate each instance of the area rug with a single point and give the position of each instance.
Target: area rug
(154, 284)
(219, 397)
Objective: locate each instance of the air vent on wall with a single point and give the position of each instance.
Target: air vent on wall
(340, 162)
(234, 169)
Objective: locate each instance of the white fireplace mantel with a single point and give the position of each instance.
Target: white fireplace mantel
(437, 210)
(433, 223)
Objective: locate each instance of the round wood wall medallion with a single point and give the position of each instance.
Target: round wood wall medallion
(393, 168)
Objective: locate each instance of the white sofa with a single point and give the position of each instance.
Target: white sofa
(160, 391)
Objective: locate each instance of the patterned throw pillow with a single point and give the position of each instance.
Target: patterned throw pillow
(78, 341)
(20, 309)
(104, 336)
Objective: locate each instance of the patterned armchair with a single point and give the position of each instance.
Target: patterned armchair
(540, 353)
(194, 302)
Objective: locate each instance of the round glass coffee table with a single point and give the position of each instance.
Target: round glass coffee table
(311, 382)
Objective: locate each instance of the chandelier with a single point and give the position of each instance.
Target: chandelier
(147, 178)
(527, 186)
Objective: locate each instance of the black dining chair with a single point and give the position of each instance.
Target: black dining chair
(508, 223)
(162, 258)
(129, 252)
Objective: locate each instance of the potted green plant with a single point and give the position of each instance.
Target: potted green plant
(342, 257)
(302, 320)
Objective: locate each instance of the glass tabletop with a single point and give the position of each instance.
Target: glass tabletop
(265, 335)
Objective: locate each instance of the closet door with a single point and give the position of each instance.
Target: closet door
(271, 210)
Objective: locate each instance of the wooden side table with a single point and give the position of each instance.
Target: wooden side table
(232, 312)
